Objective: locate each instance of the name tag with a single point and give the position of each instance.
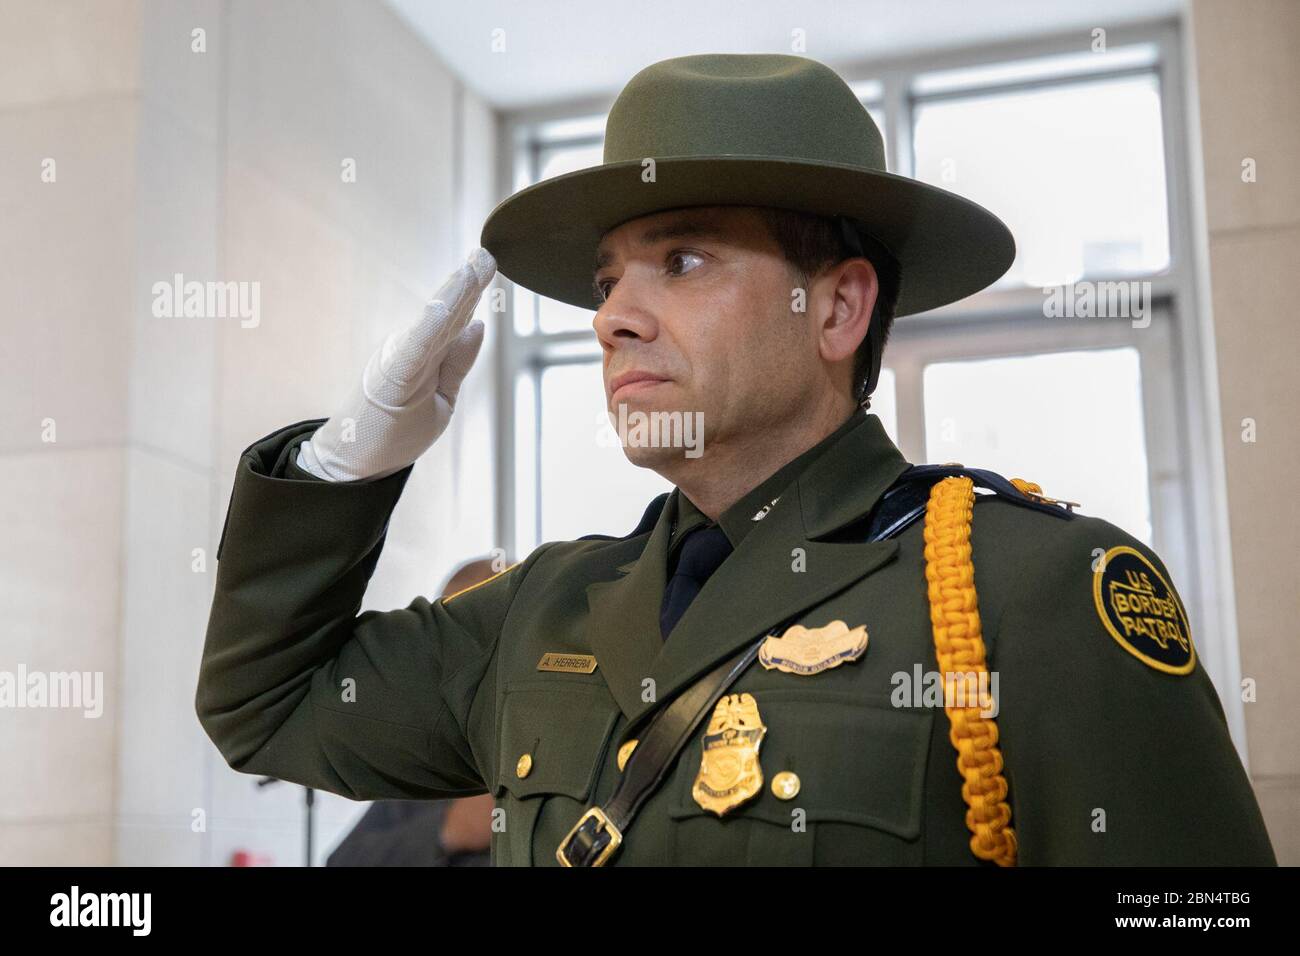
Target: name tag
(567, 663)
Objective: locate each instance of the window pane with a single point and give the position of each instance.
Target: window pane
(1086, 444)
(869, 91)
(1076, 171)
(555, 316)
(525, 310)
(588, 485)
(525, 464)
(558, 160)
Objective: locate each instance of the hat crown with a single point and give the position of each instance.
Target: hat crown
(768, 105)
(768, 130)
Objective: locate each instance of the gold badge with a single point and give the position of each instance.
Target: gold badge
(803, 650)
(729, 769)
(567, 663)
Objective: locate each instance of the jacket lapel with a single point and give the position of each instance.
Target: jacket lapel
(757, 587)
(623, 616)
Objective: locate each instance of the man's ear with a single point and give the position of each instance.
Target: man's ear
(852, 287)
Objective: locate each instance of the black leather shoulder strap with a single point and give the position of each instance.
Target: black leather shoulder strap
(905, 501)
(599, 832)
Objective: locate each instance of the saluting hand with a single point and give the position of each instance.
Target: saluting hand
(408, 390)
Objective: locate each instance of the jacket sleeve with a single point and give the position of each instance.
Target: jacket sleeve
(1109, 759)
(297, 685)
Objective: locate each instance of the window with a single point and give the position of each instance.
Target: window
(884, 402)
(990, 411)
(1076, 170)
(587, 485)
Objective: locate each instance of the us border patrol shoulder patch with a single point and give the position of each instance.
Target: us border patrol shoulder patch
(1142, 611)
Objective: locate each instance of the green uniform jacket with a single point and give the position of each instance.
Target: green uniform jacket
(1109, 760)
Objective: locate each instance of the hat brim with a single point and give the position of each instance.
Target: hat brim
(545, 236)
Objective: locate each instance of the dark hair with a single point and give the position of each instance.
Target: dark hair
(811, 243)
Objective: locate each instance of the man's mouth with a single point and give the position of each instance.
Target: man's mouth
(627, 383)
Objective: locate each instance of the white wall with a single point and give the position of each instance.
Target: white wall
(1247, 74)
(220, 165)
(69, 76)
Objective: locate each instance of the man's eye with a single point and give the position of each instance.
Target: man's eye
(600, 288)
(680, 254)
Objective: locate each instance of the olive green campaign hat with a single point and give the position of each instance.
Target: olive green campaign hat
(749, 130)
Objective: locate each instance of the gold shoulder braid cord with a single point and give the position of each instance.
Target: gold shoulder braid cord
(959, 646)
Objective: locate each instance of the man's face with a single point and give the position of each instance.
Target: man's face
(699, 299)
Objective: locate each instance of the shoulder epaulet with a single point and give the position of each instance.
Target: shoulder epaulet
(904, 502)
(478, 584)
(647, 522)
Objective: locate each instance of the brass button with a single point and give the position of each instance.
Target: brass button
(624, 752)
(785, 785)
(524, 767)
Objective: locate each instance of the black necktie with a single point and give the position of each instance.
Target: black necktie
(703, 549)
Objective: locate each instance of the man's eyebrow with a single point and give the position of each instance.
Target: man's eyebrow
(678, 229)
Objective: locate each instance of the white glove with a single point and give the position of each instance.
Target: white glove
(409, 387)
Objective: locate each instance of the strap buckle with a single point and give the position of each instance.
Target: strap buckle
(591, 842)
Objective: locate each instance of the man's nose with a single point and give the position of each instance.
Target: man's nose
(622, 318)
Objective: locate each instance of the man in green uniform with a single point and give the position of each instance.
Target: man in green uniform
(809, 652)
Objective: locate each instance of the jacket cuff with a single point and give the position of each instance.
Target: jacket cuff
(271, 463)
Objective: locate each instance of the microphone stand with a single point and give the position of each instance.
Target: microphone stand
(307, 817)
